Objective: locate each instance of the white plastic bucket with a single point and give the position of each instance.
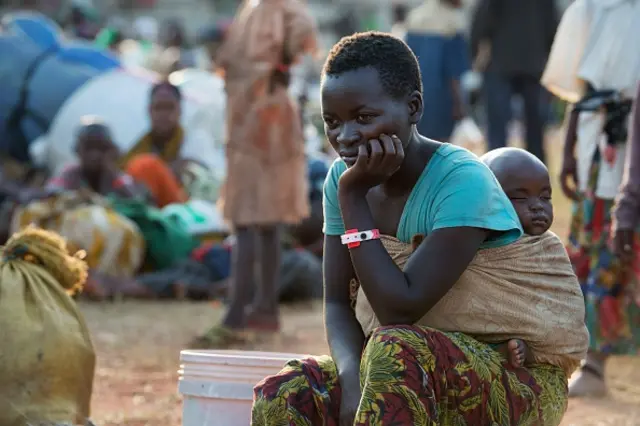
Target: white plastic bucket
(217, 386)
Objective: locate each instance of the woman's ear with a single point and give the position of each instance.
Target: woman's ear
(416, 107)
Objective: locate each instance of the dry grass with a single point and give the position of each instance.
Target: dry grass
(138, 346)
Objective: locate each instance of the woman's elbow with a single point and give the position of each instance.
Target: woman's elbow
(399, 310)
(401, 316)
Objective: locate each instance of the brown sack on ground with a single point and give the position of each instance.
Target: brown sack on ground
(47, 359)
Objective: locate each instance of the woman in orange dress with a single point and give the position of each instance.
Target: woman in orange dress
(153, 160)
(266, 184)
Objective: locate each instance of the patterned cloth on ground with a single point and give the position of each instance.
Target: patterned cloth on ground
(113, 243)
(167, 240)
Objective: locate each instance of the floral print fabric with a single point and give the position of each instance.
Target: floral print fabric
(412, 375)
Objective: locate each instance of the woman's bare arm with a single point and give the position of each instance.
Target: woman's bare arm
(571, 136)
(569, 171)
(399, 297)
(344, 333)
(626, 211)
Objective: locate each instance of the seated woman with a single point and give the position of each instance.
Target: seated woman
(159, 159)
(390, 180)
(75, 208)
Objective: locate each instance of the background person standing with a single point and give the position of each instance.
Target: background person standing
(595, 65)
(266, 184)
(519, 34)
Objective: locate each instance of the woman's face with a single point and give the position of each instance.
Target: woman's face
(356, 109)
(164, 111)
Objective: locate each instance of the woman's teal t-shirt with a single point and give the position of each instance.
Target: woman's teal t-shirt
(455, 189)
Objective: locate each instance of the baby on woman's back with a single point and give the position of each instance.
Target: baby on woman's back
(523, 298)
(525, 180)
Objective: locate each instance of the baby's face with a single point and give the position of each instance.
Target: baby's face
(530, 194)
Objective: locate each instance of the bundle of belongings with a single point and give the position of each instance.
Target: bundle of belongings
(47, 359)
(526, 290)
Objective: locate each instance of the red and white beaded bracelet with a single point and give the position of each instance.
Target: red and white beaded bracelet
(352, 238)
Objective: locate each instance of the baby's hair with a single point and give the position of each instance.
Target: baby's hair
(394, 61)
(166, 85)
(498, 158)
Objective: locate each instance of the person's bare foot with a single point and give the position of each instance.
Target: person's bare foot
(515, 351)
(518, 352)
(262, 319)
(235, 317)
(588, 382)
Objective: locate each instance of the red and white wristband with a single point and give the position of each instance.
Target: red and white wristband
(352, 238)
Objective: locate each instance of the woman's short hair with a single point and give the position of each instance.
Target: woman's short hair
(394, 61)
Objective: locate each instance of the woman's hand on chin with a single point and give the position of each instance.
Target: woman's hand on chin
(377, 161)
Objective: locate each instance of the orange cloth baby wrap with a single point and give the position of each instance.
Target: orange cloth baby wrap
(46, 356)
(525, 290)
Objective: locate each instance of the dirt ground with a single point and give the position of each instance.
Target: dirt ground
(138, 346)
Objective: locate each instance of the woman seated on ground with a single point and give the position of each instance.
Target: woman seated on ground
(391, 180)
(159, 159)
(75, 208)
